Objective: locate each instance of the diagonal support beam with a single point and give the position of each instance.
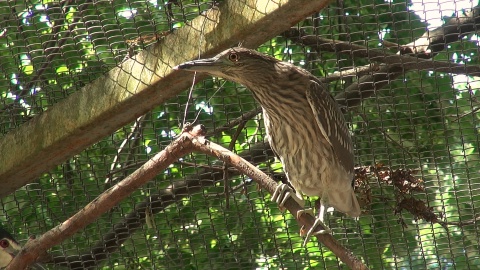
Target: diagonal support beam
(138, 85)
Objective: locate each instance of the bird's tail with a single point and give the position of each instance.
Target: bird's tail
(344, 201)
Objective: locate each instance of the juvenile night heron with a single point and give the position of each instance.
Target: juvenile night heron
(304, 125)
(9, 248)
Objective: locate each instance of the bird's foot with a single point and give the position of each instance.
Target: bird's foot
(282, 193)
(314, 230)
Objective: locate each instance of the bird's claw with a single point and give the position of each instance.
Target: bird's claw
(314, 230)
(281, 195)
(308, 211)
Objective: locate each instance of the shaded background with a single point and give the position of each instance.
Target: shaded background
(416, 141)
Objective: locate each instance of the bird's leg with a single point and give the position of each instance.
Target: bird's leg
(318, 221)
(282, 193)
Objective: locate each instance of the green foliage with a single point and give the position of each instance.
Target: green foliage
(422, 120)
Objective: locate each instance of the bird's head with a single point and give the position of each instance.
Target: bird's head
(8, 248)
(237, 64)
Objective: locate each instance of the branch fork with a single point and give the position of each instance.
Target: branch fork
(191, 140)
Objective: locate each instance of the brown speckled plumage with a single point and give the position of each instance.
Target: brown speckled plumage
(304, 124)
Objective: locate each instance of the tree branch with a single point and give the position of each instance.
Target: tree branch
(406, 62)
(436, 40)
(107, 200)
(427, 46)
(186, 143)
(157, 203)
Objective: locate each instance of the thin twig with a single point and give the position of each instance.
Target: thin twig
(190, 92)
(242, 118)
(231, 146)
(233, 190)
(208, 167)
(134, 133)
(461, 223)
(389, 138)
(354, 72)
(466, 114)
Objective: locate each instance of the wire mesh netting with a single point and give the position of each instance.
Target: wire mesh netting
(404, 73)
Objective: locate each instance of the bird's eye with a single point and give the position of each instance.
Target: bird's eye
(233, 57)
(4, 243)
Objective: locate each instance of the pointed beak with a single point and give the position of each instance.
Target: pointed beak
(202, 65)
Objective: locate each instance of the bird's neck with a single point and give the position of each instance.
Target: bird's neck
(285, 85)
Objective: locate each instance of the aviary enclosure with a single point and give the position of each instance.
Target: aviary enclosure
(97, 160)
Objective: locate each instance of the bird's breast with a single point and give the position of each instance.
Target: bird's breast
(308, 160)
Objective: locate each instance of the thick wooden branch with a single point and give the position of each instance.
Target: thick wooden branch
(392, 60)
(293, 207)
(181, 188)
(106, 201)
(395, 65)
(186, 143)
(436, 40)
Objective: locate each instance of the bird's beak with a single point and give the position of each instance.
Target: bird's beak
(202, 65)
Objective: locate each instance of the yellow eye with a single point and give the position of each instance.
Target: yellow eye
(233, 57)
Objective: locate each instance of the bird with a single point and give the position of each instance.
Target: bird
(304, 125)
(9, 248)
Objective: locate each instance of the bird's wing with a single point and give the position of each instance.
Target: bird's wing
(331, 122)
